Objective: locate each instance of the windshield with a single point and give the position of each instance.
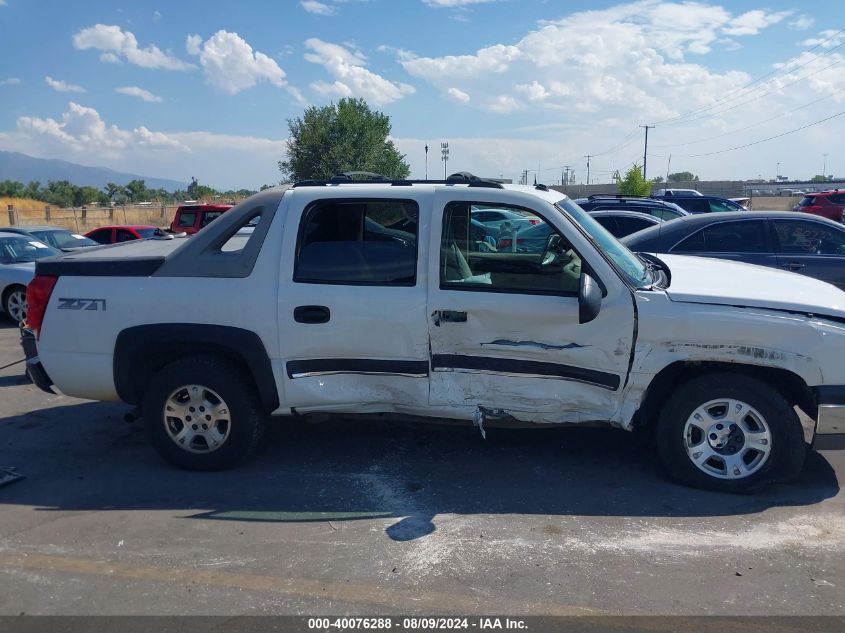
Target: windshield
(64, 239)
(631, 266)
(20, 250)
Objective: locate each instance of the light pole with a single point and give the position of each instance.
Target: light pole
(426, 161)
(824, 166)
(444, 155)
(777, 173)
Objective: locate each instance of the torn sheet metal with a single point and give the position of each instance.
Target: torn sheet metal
(9, 476)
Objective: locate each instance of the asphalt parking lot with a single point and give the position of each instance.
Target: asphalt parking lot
(382, 516)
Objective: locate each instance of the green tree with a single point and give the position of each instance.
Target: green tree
(136, 190)
(820, 178)
(12, 189)
(203, 192)
(59, 193)
(112, 190)
(33, 190)
(633, 184)
(657, 180)
(682, 176)
(334, 139)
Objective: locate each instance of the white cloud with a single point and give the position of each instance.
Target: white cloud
(156, 16)
(62, 86)
(140, 93)
(352, 79)
(828, 38)
(802, 23)
(118, 44)
(82, 130)
(752, 22)
(11, 81)
(317, 8)
(459, 95)
(230, 64)
(627, 59)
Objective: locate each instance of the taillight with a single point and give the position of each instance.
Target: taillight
(504, 243)
(533, 221)
(37, 296)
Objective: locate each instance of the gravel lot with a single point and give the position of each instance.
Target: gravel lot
(377, 515)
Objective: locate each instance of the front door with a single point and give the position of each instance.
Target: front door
(352, 307)
(504, 328)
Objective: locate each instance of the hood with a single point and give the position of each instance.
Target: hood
(722, 282)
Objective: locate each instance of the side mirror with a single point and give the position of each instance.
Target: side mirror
(589, 299)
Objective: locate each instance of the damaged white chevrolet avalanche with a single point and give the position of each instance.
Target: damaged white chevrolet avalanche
(352, 297)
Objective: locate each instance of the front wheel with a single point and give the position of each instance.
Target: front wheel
(201, 413)
(14, 303)
(729, 432)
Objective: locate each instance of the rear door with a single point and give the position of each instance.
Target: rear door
(352, 310)
(811, 248)
(504, 330)
(737, 240)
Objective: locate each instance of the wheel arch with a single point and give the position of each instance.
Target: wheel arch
(143, 350)
(790, 384)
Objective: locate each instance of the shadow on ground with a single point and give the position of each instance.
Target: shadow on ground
(85, 457)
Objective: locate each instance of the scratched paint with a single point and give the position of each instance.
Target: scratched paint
(539, 345)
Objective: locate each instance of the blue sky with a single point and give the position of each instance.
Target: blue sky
(204, 88)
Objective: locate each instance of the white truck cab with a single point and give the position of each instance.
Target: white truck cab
(353, 297)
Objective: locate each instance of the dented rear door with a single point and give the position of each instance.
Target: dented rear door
(513, 347)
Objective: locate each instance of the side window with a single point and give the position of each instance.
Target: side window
(208, 217)
(717, 206)
(187, 219)
(744, 236)
(608, 222)
(103, 236)
(631, 225)
(352, 242)
(125, 236)
(664, 213)
(526, 258)
(798, 237)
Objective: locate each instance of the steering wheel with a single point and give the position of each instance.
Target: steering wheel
(551, 251)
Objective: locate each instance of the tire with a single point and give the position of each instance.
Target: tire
(202, 391)
(761, 442)
(14, 303)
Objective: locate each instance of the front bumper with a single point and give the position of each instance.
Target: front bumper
(830, 422)
(34, 369)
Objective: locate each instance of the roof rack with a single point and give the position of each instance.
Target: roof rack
(349, 178)
(617, 196)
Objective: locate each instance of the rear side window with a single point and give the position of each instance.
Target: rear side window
(743, 236)
(799, 237)
(125, 236)
(631, 225)
(608, 222)
(837, 198)
(102, 237)
(358, 242)
(187, 219)
(208, 217)
(693, 205)
(806, 201)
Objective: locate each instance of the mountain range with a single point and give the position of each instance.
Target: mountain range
(16, 166)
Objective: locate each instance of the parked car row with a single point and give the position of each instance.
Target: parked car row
(21, 247)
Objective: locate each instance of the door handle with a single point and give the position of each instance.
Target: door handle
(793, 266)
(449, 316)
(311, 314)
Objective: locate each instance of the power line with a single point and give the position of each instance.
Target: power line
(729, 96)
(771, 138)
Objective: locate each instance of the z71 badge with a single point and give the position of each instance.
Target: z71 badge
(82, 304)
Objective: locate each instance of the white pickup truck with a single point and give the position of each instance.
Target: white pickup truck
(357, 297)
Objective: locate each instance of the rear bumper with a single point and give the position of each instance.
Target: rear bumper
(34, 369)
(830, 421)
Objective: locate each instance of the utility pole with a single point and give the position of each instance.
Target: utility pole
(588, 157)
(566, 177)
(426, 161)
(444, 155)
(645, 151)
(824, 166)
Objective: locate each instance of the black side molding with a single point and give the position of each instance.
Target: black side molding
(303, 368)
(447, 362)
(99, 266)
(830, 394)
(142, 350)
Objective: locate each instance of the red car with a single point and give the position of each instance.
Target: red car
(116, 234)
(828, 204)
(190, 218)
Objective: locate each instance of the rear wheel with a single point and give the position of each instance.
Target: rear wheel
(729, 432)
(14, 303)
(201, 413)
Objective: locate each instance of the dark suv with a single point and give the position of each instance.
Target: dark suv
(651, 206)
(827, 204)
(704, 204)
